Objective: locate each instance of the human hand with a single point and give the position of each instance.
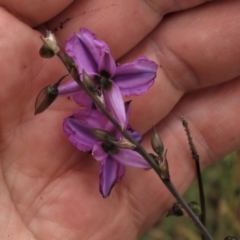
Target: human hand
(49, 190)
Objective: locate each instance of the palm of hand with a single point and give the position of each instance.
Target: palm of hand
(46, 190)
(49, 190)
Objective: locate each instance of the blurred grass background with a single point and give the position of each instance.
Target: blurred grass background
(222, 191)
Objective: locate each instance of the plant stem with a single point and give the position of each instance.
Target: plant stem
(195, 157)
(144, 154)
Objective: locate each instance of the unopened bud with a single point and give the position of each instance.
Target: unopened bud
(195, 208)
(45, 98)
(163, 165)
(176, 210)
(50, 47)
(156, 142)
(46, 52)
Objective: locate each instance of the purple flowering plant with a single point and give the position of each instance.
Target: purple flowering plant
(110, 80)
(88, 128)
(101, 125)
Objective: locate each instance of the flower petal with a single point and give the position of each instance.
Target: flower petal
(91, 118)
(86, 50)
(131, 158)
(111, 172)
(107, 64)
(98, 153)
(115, 104)
(68, 88)
(82, 99)
(137, 77)
(78, 135)
(79, 95)
(137, 136)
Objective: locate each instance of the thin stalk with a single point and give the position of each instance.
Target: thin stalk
(144, 154)
(195, 157)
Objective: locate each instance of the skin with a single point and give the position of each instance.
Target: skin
(49, 190)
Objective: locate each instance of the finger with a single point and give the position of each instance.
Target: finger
(122, 24)
(23, 72)
(213, 121)
(35, 13)
(196, 48)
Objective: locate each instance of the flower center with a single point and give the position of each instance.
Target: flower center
(109, 147)
(103, 80)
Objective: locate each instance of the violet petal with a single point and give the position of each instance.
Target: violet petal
(114, 102)
(78, 135)
(82, 99)
(107, 64)
(91, 118)
(137, 77)
(111, 172)
(131, 158)
(68, 88)
(86, 50)
(137, 136)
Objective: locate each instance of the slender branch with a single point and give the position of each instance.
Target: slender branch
(195, 157)
(141, 151)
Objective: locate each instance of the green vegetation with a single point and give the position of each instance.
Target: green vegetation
(222, 190)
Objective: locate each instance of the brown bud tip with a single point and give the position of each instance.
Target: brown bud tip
(50, 44)
(45, 98)
(156, 142)
(46, 52)
(176, 210)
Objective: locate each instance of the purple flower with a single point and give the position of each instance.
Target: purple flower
(89, 130)
(111, 80)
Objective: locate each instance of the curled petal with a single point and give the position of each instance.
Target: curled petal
(114, 102)
(111, 172)
(137, 77)
(98, 153)
(91, 118)
(78, 135)
(131, 158)
(86, 50)
(107, 64)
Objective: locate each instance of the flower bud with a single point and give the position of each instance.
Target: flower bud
(195, 208)
(156, 142)
(45, 98)
(176, 210)
(50, 47)
(46, 52)
(163, 165)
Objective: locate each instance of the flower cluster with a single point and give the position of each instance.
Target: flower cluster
(88, 129)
